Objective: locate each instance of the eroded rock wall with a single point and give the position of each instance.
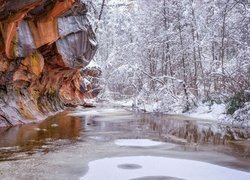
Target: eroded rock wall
(45, 46)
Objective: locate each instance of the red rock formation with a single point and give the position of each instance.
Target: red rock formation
(45, 46)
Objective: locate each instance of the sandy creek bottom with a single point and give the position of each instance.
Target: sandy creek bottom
(112, 143)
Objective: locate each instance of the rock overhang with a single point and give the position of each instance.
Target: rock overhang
(45, 46)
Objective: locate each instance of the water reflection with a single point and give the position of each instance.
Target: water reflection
(117, 125)
(183, 131)
(164, 128)
(191, 134)
(35, 136)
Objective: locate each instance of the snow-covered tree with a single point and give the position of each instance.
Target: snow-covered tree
(174, 53)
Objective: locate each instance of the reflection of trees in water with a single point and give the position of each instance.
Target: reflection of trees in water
(190, 131)
(153, 126)
(240, 148)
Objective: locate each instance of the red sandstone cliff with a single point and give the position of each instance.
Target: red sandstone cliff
(45, 46)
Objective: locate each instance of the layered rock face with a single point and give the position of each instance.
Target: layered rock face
(45, 46)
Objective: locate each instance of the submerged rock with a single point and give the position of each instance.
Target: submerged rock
(45, 46)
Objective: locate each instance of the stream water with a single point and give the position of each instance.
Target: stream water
(113, 143)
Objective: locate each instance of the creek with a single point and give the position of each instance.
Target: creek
(115, 143)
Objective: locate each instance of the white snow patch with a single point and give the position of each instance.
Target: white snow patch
(108, 168)
(84, 113)
(125, 103)
(92, 64)
(241, 117)
(112, 114)
(100, 112)
(215, 112)
(152, 107)
(137, 142)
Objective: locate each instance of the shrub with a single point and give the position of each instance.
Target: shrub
(236, 102)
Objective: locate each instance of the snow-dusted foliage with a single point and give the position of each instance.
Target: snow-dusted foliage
(241, 117)
(170, 55)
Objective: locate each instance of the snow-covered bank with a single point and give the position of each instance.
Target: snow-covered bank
(241, 117)
(215, 112)
(204, 111)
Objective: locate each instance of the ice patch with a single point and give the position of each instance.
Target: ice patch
(84, 113)
(100, 112)
(109, 168)
(113, 115)
(137, 142)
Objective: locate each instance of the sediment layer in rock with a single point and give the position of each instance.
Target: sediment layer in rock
(45, 46)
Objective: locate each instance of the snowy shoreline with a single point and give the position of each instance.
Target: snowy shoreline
(205, 112)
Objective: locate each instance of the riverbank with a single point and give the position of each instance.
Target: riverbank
(203, 111)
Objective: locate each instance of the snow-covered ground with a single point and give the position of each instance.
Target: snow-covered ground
(204, 111)
(214, 112)
(124, 168)
(241, 117)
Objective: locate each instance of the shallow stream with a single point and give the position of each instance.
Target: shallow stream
(113, 143)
